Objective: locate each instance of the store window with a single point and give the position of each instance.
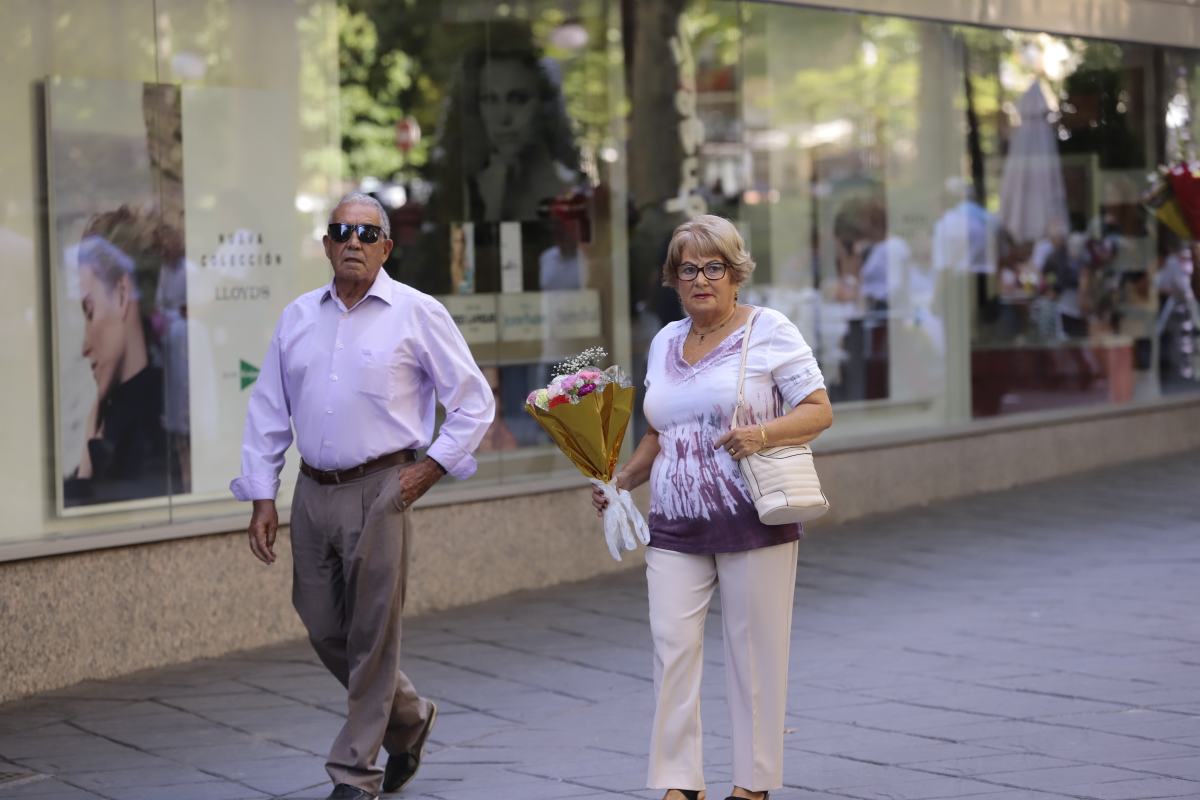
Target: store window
(154, 221)
(489, 132)
(1063, 134)
(180, 173)
(952, 215)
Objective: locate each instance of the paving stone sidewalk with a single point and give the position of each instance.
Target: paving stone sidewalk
(1036, 643)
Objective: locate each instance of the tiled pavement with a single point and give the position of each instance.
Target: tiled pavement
(1037, 643)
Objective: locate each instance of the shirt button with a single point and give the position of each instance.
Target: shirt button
(333, 377)
(329, 411)
(340, 345)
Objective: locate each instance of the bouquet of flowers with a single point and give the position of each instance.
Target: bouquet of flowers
(586, 410)
(1174, 198)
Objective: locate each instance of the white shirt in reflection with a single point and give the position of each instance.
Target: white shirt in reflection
(964, 239)
(884, 268)
(561, 271)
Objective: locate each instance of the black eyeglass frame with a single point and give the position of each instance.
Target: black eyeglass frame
(367, 234)
(705, 269)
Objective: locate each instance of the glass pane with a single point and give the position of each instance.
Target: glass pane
(830, 139)
(849, 122)
(1174, 328)
(257, 168)
(686, 155)
(1059, 149)
(487, 131)
(87, 449)
(951, 215)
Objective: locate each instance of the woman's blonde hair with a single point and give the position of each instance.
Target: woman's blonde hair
(709, 235)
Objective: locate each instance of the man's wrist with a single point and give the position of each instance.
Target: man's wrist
(437, 464)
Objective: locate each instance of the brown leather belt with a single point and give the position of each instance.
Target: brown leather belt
(328, 476)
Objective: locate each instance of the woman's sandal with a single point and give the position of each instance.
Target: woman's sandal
(688, 794)
(765, 796)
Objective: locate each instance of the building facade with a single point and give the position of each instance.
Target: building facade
(949, 199)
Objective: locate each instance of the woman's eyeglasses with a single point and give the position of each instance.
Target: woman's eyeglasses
(713, 270)
(367, 234)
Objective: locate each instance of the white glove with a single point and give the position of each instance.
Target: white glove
(623, 523)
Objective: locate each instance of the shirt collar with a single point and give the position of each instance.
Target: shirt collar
(381, 288)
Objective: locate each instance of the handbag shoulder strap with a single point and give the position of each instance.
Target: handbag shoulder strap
(741, 385)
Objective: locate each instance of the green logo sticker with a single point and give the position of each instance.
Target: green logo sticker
(247, 372)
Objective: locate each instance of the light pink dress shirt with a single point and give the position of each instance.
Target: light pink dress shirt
(360, 383)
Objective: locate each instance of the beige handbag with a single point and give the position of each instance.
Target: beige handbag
(783, 480)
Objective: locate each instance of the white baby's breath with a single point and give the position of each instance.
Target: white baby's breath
(591, 357)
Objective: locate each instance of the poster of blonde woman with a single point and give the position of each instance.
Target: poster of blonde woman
(119, 291)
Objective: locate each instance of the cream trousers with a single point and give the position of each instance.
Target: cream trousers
(757, 589)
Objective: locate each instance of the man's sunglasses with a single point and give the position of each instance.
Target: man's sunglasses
(367, 234)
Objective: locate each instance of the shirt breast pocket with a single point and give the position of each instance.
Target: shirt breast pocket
(376, 374)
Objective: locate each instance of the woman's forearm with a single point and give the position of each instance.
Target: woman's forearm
(801, 425)
(637, 470)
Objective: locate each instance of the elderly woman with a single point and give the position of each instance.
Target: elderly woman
(703, 526)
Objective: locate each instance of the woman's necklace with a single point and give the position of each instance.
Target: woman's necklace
(715, 328)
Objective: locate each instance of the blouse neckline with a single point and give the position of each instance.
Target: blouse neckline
(734, 335)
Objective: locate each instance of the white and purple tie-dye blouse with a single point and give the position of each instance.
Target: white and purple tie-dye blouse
(698, 500)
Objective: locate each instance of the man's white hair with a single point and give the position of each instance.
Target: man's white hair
(362, 198)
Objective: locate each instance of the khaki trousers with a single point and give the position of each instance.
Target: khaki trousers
(757, 590)
(350, 545)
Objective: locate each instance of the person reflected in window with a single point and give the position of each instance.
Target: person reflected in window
(966, 237)
(883, 257)
(853, 239)
(562, 271)
(562, 266)
(125, 444)
(170, 324)
(704, 529)
(1178, 321)
(1060, 257)
(969, 240)
(848, 318)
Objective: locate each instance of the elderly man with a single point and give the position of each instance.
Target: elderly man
(357, 366)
